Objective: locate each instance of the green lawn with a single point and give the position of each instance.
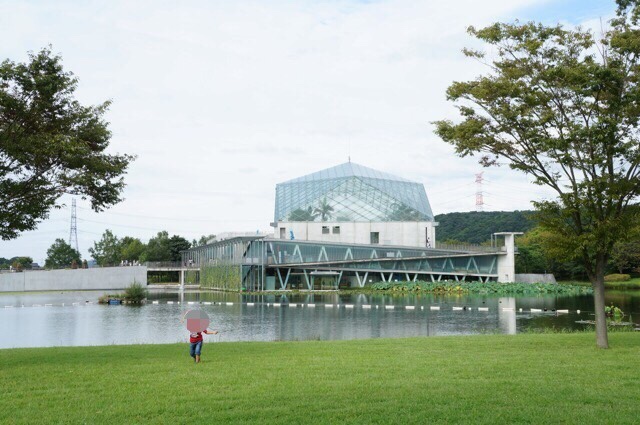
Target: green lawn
(492, 379)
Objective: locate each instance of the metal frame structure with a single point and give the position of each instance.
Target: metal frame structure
(278, 264)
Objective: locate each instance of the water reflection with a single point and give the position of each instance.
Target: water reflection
(349, 317)
(507, 314)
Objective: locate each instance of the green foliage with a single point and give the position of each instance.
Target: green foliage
(203, 240)
(324, 210)
(564, 111)
(402, 212)
(477, 226)
(536, 255)
(163, 277)
(221, 276)
(191, 277)
(165, 248)
(50, 144)
(617, 278)
(177, 244)
(24, 262)
(301, 214)
(626, 255)
(106, 251)
(61, 255)
(614, 311)
(447, 287)
(135, 293)
(158, 248)
(530, 111)
(131, 249)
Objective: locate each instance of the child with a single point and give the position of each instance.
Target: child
(195, 339)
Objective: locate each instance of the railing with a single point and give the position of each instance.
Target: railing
(169, 265)
(467, 247)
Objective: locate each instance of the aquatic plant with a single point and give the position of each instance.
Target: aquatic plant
(613, 311)
(444, 287)
(135, 293)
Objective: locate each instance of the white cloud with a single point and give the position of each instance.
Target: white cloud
(222, 100)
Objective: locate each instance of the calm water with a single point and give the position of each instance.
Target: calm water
(94, 324)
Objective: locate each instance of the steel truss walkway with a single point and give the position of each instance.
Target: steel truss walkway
(375, 262)
(266, 263)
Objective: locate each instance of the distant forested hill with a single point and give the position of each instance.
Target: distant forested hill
(477, 227)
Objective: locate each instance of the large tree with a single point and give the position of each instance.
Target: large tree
(158, 248)
(61, 255)
(176, 245)
(131, 248)
(50, 144)
(107, 250)
(562, 107)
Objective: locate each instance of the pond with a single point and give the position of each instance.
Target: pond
(75, 318)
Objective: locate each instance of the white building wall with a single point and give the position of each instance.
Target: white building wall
(106, 278)
(390, 233)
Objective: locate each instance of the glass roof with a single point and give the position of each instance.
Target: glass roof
(351, 192)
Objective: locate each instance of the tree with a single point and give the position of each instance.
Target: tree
(477, 226)
(158, 248)
(564, 110)
(177, 244)
(626, 256)
(301, 214)
(323, 210)
(203, 240)
(61, 255)
(106, 251)
(50, 144)
(131, 248)
(402, 212)
(25, 262)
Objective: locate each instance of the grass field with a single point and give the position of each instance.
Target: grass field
(492, 379)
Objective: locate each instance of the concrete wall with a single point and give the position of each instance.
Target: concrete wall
(507, 263)
(67, 280)
(536, 278)
(391, 232)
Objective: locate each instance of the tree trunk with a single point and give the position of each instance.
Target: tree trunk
(602, 339)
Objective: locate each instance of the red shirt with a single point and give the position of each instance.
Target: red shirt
(195, 337)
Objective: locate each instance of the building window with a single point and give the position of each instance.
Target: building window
(325, 230)
(283, 233)
(375, 238)
(336, 230)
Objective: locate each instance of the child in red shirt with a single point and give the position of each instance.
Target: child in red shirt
(195, 339)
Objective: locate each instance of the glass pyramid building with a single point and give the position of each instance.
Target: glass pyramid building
(351, 192)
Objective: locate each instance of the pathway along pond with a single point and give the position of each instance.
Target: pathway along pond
(75, 318)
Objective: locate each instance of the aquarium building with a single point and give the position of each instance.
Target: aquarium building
(347, 226)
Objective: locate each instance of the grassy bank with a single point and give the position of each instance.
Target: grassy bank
(547, 378)
(630, 284)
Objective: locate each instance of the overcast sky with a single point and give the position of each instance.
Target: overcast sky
(221, 100)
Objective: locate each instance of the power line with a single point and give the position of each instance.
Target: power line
(183, 219)
(479, 199)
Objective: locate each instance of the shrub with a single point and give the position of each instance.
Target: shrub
(617, 277)
(135, 293)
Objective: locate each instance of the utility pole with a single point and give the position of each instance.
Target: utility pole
(73, 232)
